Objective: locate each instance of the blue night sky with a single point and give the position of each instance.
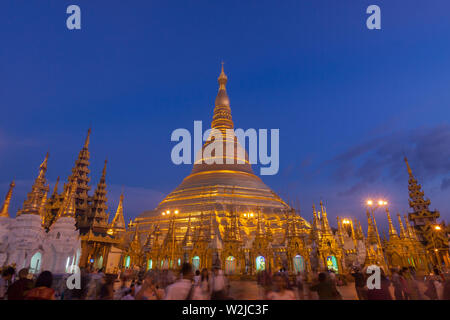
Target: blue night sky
(349, 102)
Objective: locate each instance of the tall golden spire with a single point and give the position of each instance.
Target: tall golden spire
(402, 229)
(86, 142)
(34, 198)
(80, 172)
(325, 225)
(410, 230)
(99, 214)
(371, 235)
(43, 168)
(5, 208)
(55, 189)
(408, 167)
(188, 236)
(315, 233)
(70, 209)
(222, 119)
(118, 222)
(392, 231)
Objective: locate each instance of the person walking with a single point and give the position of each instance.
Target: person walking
(182, 289)
(383, 292)
(299, 281)
(281, 292)
(325, 288)
(202, 289)
(397, 282)
(106, 291)
(20, 287)
(360, 283)
(43, 288)
(150, 289)
(6, 280)
(218, 285)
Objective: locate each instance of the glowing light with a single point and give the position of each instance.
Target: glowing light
(437, 227)
(251, 214)
(164, 213)
(176, 211)
(245, 215)
(369, 202)
(168, 211)
(346, 221)
(380, 202)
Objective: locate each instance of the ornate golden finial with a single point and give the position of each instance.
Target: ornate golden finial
(411, 231)
(392, 231)
(70, 209)
(409, 168)
(402, 229)
(55, 189)
(86, 142)
(325, 225)
(222, 119)
(222, 79)
(5, 208)
(104, 169)
(43, 167)
(119, 221)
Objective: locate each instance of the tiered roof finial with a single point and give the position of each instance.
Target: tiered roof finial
(392, 231)
(86, 142)
(99, 207)
(55, 189)
(402, 229)
(325, 225)
(118, 223)
(34, 198)
(222, 119)
(4, 212)
(408, 167)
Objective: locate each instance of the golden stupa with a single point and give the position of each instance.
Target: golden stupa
(218, 186)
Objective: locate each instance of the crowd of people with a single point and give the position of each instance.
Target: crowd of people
(401, 284)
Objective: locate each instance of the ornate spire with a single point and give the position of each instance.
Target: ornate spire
(5, 208)
(55, 189)
(315, 233)
(69, 210)
(421, 215)
(86, 142)
(222, 119)
(259, 230)
(99, 216)
(410, 230)
(325, 225)
(392, 231)
(34, 198)
(402, 229)
(118, 223)
(188, 236)
(371, 235)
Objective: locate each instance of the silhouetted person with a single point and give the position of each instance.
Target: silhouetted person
(20, 287)
(43, 288)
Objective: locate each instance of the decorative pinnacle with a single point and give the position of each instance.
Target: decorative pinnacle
(409, 168)
(104, 169)
(86, 142)
(4, 211)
